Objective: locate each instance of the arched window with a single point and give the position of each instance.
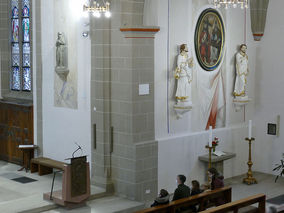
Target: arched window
(21, 78)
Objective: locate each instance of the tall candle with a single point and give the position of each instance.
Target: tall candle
(210, 136)
(250, 125)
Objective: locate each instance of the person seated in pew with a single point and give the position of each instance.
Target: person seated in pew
(195, 188)
(163, 198)
(217, 180)
(182, 190)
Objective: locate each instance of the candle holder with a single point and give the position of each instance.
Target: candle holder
(209, 161)
(249, 179)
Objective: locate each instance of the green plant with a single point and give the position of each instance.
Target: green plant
(280, 169)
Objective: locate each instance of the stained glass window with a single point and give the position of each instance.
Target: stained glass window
(26, 8)
(16, 78)
(27, 84)
(21, 78)
(26, 55)
(26, 29)
(15, 54)
(15, 8)
(15, 30)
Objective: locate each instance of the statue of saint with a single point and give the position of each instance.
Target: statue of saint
(183, 74)
(60, 46)
(242, 72)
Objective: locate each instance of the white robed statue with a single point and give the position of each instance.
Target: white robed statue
(242, 72)
(183, 74)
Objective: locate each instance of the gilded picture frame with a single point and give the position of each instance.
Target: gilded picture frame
(209, 39)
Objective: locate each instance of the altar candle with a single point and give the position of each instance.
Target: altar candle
(250, 126)
(210, 136)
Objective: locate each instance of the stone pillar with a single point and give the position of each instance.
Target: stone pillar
(135, 148)
(125, 155)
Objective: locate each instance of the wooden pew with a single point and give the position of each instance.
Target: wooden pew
(241, 205)
(200, 199)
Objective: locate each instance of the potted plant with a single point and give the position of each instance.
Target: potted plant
(280, 169)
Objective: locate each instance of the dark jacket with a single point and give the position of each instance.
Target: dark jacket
(195, 192)
(217, 182)
(161, 201)
(182, 191)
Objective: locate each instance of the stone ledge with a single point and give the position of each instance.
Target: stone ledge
(140, 31)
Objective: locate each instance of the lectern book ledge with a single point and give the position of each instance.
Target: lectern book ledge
(73, 195)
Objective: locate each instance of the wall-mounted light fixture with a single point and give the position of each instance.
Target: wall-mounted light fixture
(96, 9)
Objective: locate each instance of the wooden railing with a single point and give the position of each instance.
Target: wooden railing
(202, 200)
(239, 204)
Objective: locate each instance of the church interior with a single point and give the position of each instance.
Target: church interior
(104, 103)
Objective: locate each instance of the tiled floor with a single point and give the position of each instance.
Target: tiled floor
(19, 197)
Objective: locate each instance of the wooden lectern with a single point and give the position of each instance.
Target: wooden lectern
(75, 184)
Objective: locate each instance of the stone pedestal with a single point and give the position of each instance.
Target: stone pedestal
(239, 102)
(182, 108)
(217, 161)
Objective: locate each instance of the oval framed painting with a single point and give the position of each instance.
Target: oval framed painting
(209, 39)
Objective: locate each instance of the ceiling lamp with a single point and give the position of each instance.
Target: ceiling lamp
(96, 9)
(230, 3)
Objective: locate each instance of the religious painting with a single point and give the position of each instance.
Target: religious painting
(209, 39)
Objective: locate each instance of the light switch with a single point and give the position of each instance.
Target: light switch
(144, 89)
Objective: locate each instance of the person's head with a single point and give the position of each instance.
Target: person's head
(213, 172)
(59, 35)
(181, 179)
(243, 48)
(183, 48)
(163, 193)
(195, 184)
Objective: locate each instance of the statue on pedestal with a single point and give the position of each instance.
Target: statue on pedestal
(183, 74)
(61, 56)
(242, 71)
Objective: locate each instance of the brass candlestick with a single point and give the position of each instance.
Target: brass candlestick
(249, 179)
(209, 162)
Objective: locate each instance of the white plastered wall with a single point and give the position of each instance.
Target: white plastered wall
(269, 89)
(62, 127)
(180, 147)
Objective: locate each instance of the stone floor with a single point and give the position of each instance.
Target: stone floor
(27, 198)
(266, 184)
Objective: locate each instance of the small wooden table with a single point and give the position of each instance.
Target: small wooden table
(28, 151)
